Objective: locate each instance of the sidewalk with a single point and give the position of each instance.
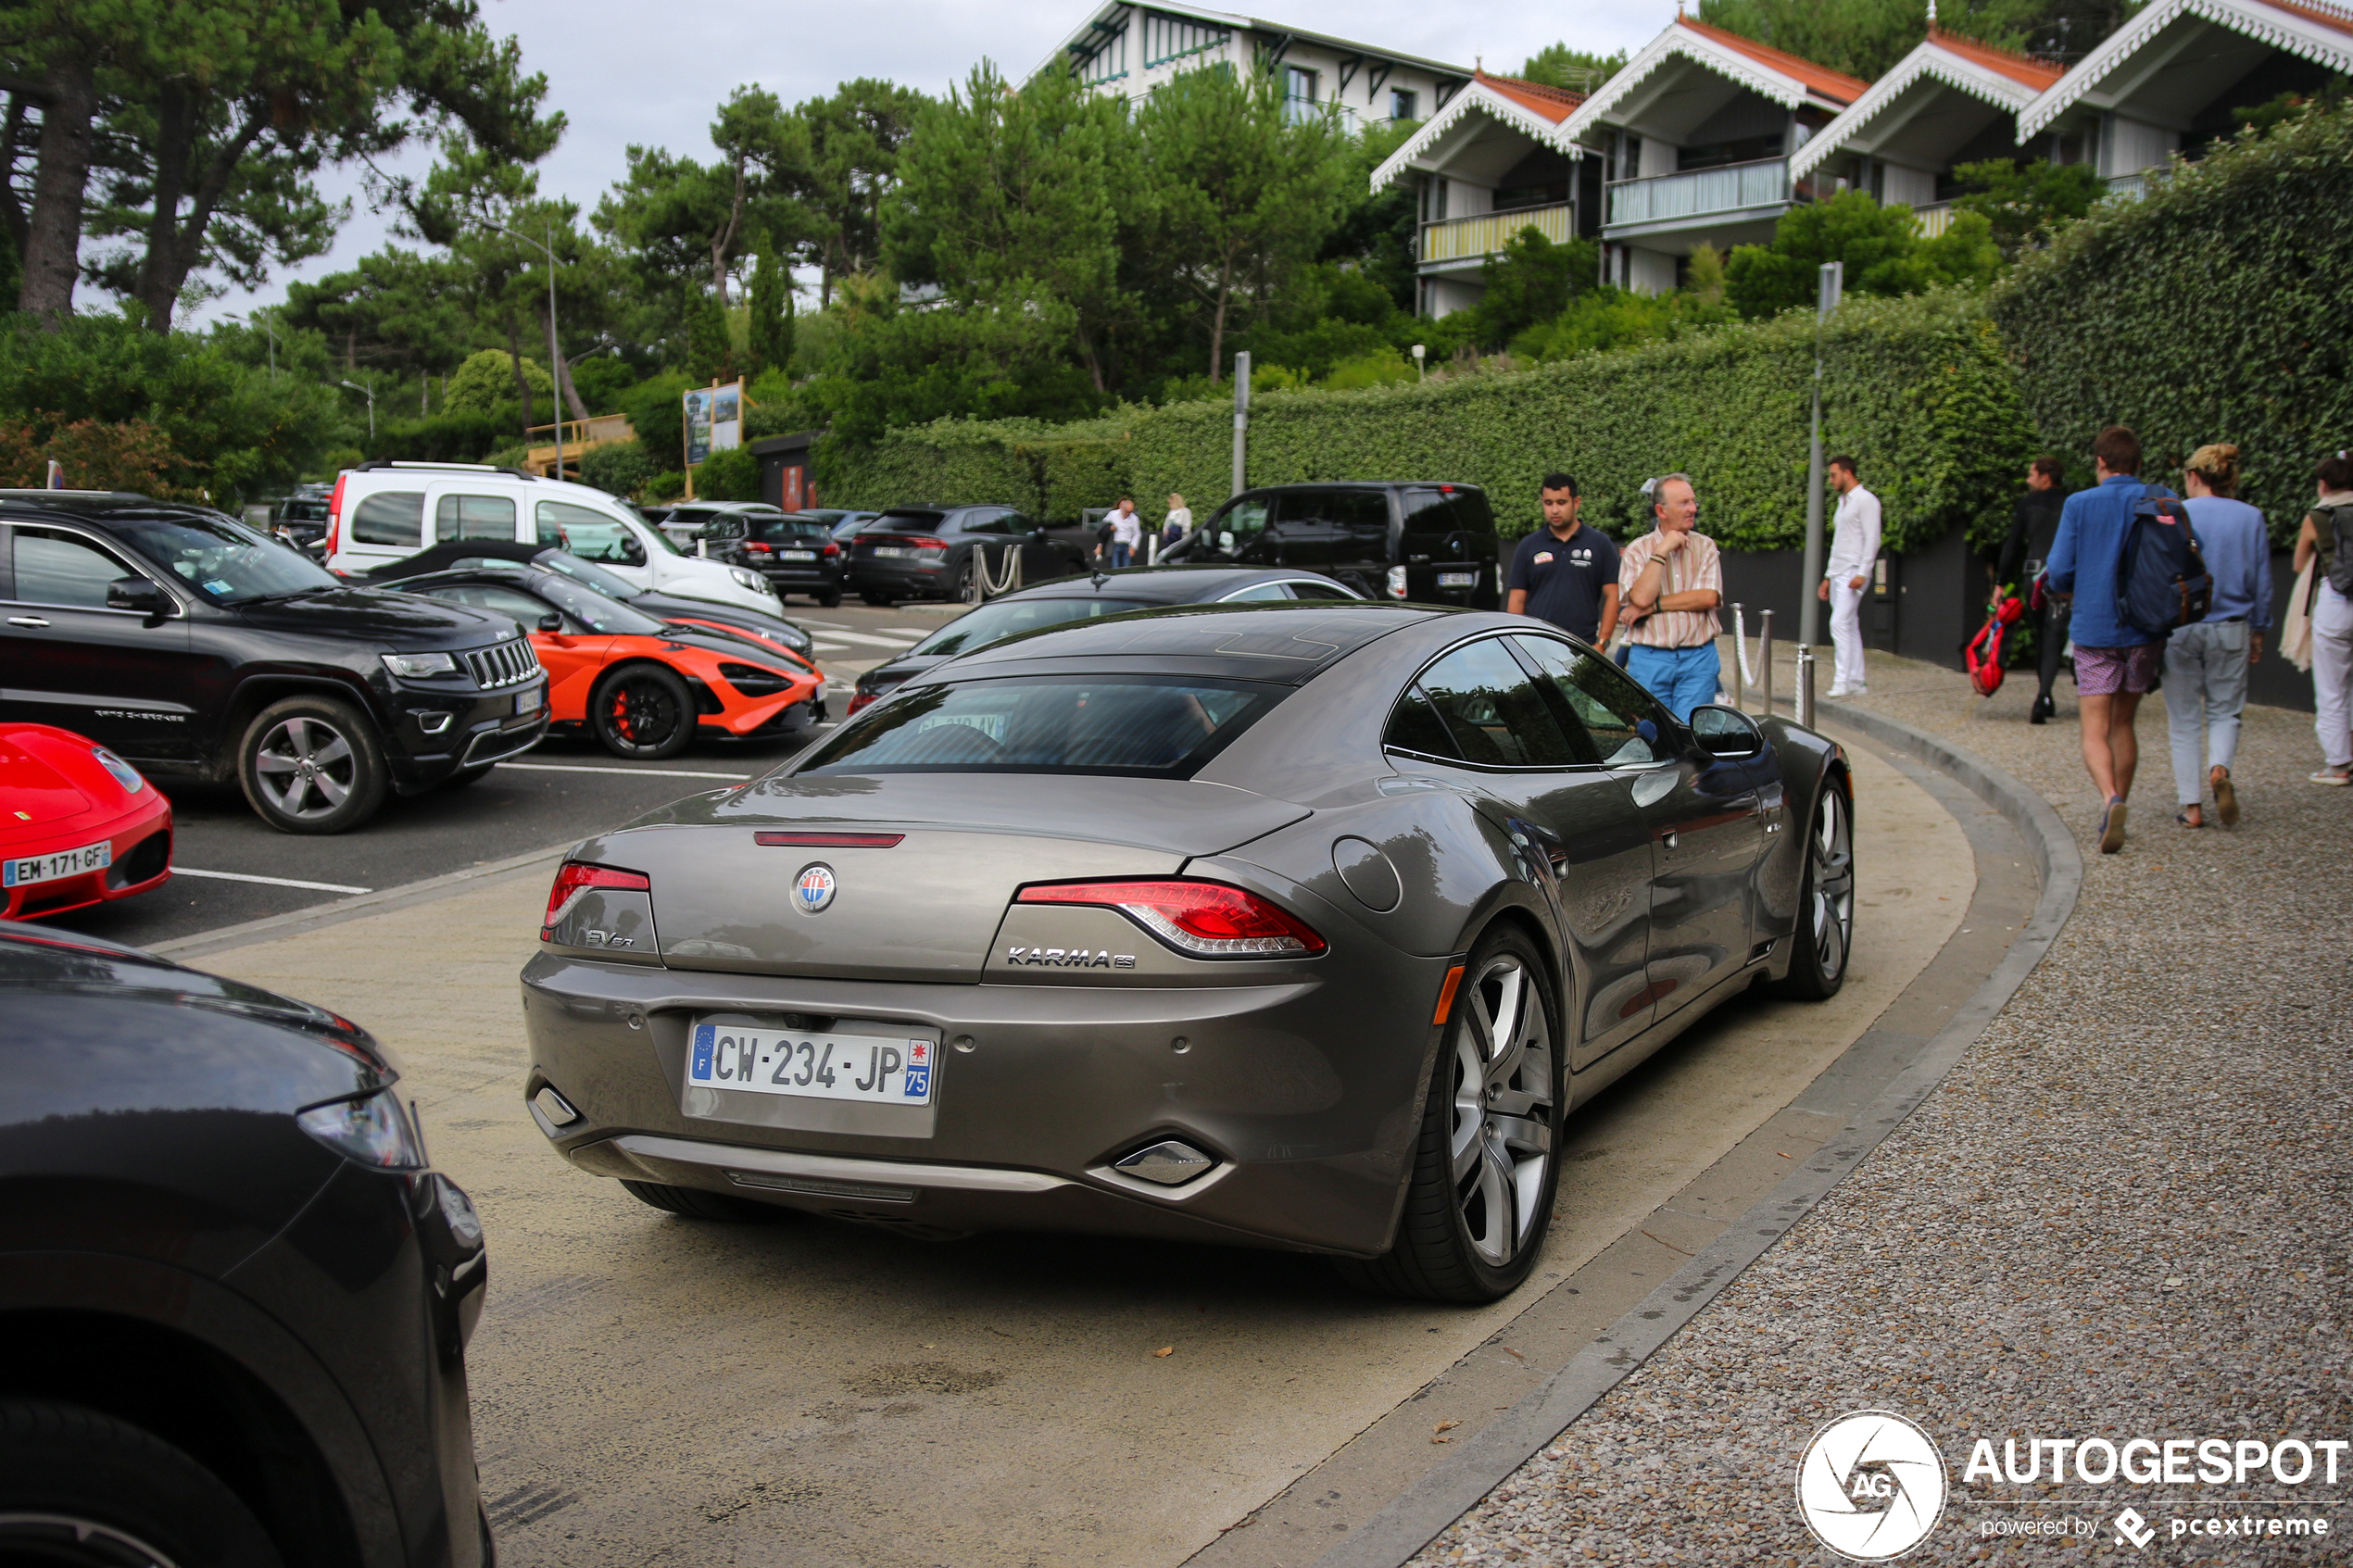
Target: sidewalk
(2122, 1215)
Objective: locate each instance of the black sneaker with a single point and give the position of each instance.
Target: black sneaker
(2041, 711)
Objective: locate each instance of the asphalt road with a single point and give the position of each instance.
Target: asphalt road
(229, 868)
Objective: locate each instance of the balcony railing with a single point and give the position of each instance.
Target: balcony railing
(2131, 187)
(1698, 193)
(586, 432)
(1929, 223)
(1460, 238)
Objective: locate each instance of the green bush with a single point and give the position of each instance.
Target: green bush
(487, 380)
(665, 486)
(732, 475)
(1918, 388)
(657, 412)
(444, 438)
(618, 468)
(2212, 309)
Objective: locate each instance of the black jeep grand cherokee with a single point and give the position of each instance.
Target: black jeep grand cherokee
(192, 644)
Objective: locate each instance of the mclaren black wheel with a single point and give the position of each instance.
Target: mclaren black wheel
(643, 712)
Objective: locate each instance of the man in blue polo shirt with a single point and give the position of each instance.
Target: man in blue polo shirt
(2116, 665)
(1566, 573)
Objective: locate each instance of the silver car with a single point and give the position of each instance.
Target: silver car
(1297, 926)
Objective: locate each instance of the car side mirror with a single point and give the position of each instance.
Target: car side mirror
(633, 552)
(1726, 732)
(136, 593)
(551, 622)
(1037, 535)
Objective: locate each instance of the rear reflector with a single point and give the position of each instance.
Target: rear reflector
(574, 877)
(827, 840)
(1202, 919)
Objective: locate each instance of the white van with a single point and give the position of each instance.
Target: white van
(383, 511)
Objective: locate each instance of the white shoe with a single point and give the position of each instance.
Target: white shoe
(1839, 691)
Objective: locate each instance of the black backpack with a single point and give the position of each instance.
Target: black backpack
(2161, 581)
(2340, 547)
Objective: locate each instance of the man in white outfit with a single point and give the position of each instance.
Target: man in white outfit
(1853, 549)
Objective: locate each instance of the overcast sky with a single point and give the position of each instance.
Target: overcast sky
(653, 74)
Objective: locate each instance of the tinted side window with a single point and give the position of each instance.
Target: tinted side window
(986, 523)
(1416, 726)
(1495, 712)
(1319, 591)
(390, 517)
(57, 568)
(475, 516)
(1601, 698)
(525, 609)
(1239, 526)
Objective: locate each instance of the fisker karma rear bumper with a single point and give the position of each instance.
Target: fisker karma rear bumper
(1269, 1114)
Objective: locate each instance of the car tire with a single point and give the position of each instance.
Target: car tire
(1824, 939)
(643, 712)
(78, 1486)
(880, 601)
(1479, 1199)
(829, 599)
(312, 765)
(693, 1203)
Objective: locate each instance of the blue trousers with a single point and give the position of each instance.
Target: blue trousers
(1119, 554)
(1682, 679)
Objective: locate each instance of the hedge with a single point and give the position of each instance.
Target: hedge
(1919, 388)
(2213, 309)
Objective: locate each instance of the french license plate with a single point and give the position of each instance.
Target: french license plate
(64, 864)
(1457, 579)
(797, 555)
(869, 1068)
(893, 551)
(530, 697)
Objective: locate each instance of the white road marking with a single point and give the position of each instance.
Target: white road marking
(830, 648)
(898, 642)
(632, 773)
(271, 881)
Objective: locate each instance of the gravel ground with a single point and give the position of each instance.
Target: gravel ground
(2123, 1214)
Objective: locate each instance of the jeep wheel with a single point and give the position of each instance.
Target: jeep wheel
(312, 764)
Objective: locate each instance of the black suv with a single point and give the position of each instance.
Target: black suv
(794, 551)
(943, 553)
(1432, 543)
(192, 644)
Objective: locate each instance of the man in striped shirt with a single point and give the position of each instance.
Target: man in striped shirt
(1670, 581)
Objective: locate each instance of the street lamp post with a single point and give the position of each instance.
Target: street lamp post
(555, 356)
(372, 406)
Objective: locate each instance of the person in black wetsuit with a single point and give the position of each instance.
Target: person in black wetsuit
(2033, 524)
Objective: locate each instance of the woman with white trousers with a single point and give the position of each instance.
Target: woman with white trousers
(2332, 621)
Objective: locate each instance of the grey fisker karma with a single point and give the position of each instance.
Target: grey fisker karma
(1298, 926)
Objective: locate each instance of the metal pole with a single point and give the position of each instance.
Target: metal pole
(1740, 684)
(1809, 623)
(555, 358)
(1805, 704)
(1242, 420)
(1765, 659)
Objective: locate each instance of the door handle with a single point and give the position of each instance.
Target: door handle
(26, 621)
(1671, 840)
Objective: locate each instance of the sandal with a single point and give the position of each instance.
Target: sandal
(2183, 818)
(2226, 798)
(2112, 826)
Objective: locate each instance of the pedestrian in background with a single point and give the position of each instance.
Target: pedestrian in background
(2115, 665)
(1566, 573)
(2206, 664)
(1854, 552)
(1179, 524)
(1127, 533)
(2323, 544)
(2034, 525)
(1670, 582)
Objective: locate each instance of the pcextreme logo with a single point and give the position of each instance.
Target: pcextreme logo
(1871, 1485)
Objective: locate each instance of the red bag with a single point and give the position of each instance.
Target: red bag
(1984, 653)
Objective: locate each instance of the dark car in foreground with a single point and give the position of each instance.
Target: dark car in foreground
(1430, 543)
(956, 553)
(234, 1298)
(190, 644)
(1298, 926)
(1089, 598)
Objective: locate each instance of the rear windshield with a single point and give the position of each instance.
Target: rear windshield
(1007, 618)
(1143, 726)
(890, 522)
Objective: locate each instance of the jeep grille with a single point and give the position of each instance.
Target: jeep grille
(503, 664)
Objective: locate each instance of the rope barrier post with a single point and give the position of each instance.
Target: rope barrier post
(1740, 657)
(1764, 658)
(1805, 704)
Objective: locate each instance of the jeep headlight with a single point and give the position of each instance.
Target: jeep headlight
(411, 664)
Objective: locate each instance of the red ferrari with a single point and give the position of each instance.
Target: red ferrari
(77, 824)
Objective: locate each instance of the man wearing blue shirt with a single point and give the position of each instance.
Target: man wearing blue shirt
(1566, 573)
(2115, 665)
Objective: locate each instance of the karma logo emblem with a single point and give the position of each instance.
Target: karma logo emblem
(1871, 1485)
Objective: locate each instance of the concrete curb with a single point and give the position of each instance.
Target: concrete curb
(297, 921)
(1457, 1483)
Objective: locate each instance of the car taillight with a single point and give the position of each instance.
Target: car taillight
(334, 517)
(575, 877)
(925, 544)
(1204, 919)
(858, 700)
(755, 547)
(831, 549)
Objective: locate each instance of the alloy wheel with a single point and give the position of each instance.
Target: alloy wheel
(643, 712)
(1500, 1143)
(1832, 912)
(306, 767)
